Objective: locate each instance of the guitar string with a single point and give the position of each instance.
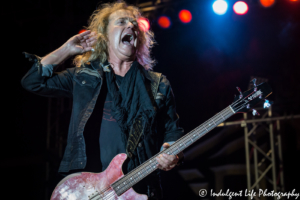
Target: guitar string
(172, 149)
(238, 108)
(244, 104)
(113, 196)
(110, 194)
(241, 106)
(201, 130)
(235, 103)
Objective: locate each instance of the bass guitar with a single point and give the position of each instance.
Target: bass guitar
(113, 184)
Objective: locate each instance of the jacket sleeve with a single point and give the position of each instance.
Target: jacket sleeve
(43, 81)
(172, 130)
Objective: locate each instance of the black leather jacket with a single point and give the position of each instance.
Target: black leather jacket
(83, 84)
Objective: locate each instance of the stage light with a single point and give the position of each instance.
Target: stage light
(144, 24)
(164, 22)
(81, 31)
(267, 3)
(185, 16)
(220, 7)
(240, 8)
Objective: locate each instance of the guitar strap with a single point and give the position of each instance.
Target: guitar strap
(137, 128)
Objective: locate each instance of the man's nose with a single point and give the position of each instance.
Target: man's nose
(130, 25)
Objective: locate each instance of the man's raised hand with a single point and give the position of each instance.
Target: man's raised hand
(81, 43)
(78, 44)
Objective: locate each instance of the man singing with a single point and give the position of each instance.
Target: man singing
(119, 104)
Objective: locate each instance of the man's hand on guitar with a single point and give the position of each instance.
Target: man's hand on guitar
(167, 162)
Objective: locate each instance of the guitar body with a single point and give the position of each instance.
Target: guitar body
(85, 184)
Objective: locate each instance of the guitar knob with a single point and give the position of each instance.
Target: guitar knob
(254, 112)
(254, 84)
(267, 104)
(241, 95)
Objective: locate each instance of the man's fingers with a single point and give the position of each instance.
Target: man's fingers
(165, 165)
(86, 36)
(165, 168)
(167, 161)
(85, 33)
(88, 44)
(162, 161)
(90, 40)
(170, 158)
(87, 49)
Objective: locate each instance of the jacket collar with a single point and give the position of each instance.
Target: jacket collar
(147, 74)
(96, 65)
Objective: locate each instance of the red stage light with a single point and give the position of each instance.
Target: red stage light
(267, 3)
(81, 31)
(164, 22)
(185, 16)
(144, 24)
(240, 8)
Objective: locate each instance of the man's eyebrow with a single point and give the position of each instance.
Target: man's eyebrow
(130, 18)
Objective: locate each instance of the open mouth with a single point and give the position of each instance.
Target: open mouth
(128, 39)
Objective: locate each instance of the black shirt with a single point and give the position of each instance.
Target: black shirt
(102, 148)
(110, 139)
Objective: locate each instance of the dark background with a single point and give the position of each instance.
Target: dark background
(204, 60)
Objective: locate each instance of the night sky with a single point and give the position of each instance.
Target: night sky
(204, 60)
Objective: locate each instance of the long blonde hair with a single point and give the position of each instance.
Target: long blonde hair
(99, 21)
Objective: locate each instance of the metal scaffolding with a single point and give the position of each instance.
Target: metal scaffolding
(265, 162)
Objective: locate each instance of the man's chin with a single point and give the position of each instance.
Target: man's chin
(128, 52)
(127, 46)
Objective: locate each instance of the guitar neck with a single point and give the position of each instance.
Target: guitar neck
(133, 177)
